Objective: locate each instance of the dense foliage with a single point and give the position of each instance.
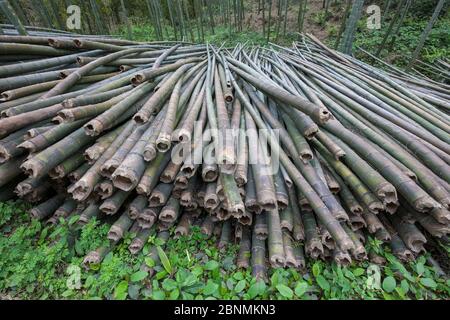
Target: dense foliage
(38, 261)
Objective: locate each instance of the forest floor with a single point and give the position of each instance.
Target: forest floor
(38, 261)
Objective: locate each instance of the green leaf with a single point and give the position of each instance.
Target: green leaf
(210, 288)
(133, 291)
(323, 283)
(428, 282)
(420, 268)
(190, 280)
(67, 293)
(389, 284)
(285, 291)
(300, 289)
(164, 260)
(240, 286)
(138, 276)
(169, 284)
(211, 265)
(174, 294)
(158, 295)
(149, 262)
(238, 276)
(405, 286)
(197, 270)
(316, 269)
(121, 290)
(358, 272)
(89, 281)
(74, 219)
(161, 274)
(256, 289)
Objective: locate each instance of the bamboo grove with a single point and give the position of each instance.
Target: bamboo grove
(112, 129)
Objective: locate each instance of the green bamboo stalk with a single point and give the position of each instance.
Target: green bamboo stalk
(425, 33)
(350, 29)
(124, 14)
(11, 15)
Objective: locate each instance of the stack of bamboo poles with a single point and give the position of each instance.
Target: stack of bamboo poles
(292, 153)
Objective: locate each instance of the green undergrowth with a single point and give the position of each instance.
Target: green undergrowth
(42, 262)
(437, 45)
(145, 32)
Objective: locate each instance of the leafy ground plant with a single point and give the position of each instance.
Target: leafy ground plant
(45, 262)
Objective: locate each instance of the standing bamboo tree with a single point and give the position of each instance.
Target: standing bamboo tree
(264, 16)
(399, 24)
(210, 15)
(36, 5)
(46, 13)
(153, 19)
(426, 32)
(87, 24)
(277, 32)
(301, 14)
(327, 7)
(161, 18)
(391, 26)
(268, 21)
(17, 6)
(199, 15)
(97, 18)
(234, 15)
(286, 4)
(172, 21)
(8, 11)
(229, 17)
(182, 24)
(352, 24)
(344, 22)
(55, 10)
(188, 19)
(124, 14)
(240, 14)
(387, 6)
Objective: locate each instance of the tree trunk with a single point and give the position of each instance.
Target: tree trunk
(352, 24)
(188, 20)
(19, 11)
(386, 8)
(268, 21)
(12, 17)
(152, 18)
(426, 32)
(389, 30)
(277, 33)
(211, 16)
(125, 18)
(286, 4)
(169, 6)
(399, 24)
(263, 16)
(301, 14)
(98, 21)
(55, 10)
(344, 21)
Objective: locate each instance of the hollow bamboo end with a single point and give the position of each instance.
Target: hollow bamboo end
(93, 128)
